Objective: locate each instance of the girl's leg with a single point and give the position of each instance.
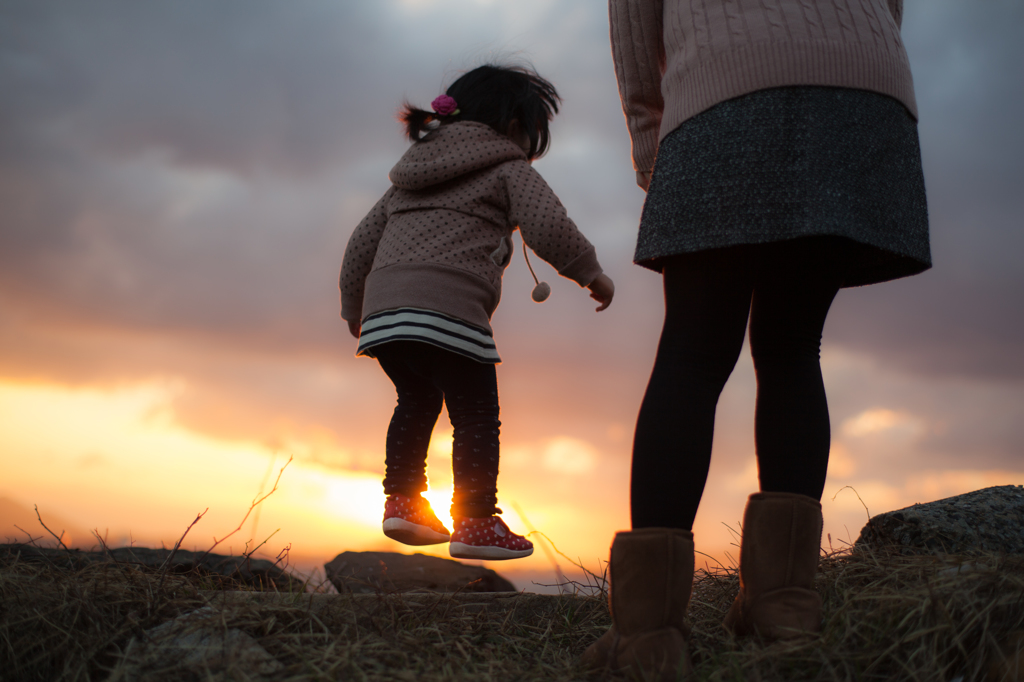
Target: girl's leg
(419, 404)
(471, 394)
(796, 284)
(707, 300)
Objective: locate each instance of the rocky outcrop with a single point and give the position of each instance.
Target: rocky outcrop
(985, 521)
(197, 646)
(223, 570)
(369, 572)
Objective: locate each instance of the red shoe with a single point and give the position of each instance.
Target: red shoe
(487, 538)
(411, 521)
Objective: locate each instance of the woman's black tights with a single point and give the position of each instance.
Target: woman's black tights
(786, 288)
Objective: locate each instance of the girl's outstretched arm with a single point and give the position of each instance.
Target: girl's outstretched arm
(545, 226)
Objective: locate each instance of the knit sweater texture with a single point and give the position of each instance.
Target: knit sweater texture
(441, 236)
(676, 58)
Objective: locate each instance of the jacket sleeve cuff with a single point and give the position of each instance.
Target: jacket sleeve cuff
(584, 268)
(351, 310)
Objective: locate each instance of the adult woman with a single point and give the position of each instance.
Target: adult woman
(777, 142)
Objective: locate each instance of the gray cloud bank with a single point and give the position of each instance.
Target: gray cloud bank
(965, 316)
(190, 172)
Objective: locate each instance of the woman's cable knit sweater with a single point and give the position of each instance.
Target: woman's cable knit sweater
(440, 238)
(677, 58)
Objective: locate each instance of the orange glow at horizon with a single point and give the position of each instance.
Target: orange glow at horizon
(115, 460)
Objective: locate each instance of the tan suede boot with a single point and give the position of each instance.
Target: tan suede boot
(778, 560)
(650, 578)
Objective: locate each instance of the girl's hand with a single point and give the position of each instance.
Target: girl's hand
(602, 290)
(353, 328)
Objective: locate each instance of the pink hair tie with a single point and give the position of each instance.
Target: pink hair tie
(445, 105)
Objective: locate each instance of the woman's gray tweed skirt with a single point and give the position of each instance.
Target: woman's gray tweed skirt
(793, 162)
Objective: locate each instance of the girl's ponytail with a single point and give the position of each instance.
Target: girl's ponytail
(417, 121)
(496, 96)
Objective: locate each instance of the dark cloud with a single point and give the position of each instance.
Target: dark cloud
(187, 174)
(177, 184)
(966, 316)
(139, 247)
(951, 422)
(196, 169)
(250, 86)
(180, 167)
(237, 86)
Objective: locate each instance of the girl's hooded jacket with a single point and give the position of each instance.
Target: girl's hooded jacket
(440, 238)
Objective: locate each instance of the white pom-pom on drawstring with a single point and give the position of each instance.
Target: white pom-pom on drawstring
(543, 289)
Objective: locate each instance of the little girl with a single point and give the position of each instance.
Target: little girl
(422, 276)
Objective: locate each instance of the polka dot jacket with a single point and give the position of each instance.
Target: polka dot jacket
(441, 236)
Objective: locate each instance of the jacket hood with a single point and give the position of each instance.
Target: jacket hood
(452, 150)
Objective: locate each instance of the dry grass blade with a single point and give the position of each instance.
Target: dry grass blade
(169, 561)
(67, 623)
(886, 618)
(259, 499)
(59, 538)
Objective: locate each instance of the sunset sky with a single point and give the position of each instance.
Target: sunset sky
(177, 184)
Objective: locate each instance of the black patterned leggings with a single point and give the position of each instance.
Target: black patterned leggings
(786, 289)
(425, 378)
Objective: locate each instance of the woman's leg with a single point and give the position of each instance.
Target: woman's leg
(796, 283)
(794, 286)
(419, 404)
(707, 300)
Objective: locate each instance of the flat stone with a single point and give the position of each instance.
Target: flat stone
(372, 572)
(196, 646)
(259, 574)
(987, 521)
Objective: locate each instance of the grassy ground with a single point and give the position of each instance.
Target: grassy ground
(886, 618)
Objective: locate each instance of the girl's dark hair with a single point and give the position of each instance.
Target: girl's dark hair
(495, 96)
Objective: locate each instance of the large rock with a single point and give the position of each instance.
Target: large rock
(367, 572)
(196, 646)
(982, 522)
(228, 571)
